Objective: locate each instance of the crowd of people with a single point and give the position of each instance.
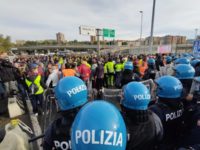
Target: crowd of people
(171, 121)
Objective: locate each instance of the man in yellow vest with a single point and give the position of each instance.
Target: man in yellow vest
(33, 82)
(110, 71)
(118, 72)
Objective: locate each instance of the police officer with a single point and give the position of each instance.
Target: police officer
(71, 94)
(144, 127)
(150, 72)
(182, 60)
(191, 134)
(128, 75)
(185, 73)
(169, 108)
(99, 126)
(196, 64)
(191, 116)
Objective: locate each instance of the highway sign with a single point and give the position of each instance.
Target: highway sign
(196, 47)
(109, 33)
(87, 30)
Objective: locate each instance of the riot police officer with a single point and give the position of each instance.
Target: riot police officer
(169, 108)
(182, 60)
(99, 126)
(71, 94)
(196, 64)
(191, 116)
(185, 73)
(144, 127)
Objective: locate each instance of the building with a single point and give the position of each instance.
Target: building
(169, 39)
(181, 40)
(93, 39)
(60, 38)
(156, 41)
(20, 42)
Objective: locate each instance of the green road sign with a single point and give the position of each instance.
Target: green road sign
(109, 33)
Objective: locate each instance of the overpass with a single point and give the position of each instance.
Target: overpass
(104, 48)
(180, 48)
(61, 47)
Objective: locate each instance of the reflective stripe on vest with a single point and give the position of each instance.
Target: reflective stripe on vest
(37, 83)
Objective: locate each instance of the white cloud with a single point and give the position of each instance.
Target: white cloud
(41, 19)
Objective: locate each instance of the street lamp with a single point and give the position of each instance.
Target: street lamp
(141, 12)
(152, 26)
(196, 32)
(98, 40)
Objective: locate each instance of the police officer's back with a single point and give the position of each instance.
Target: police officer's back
(169, 108)
(144, 127)
(99, 126)
(71, 94)
(196, 64)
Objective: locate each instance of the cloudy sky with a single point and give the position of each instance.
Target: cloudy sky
(42, 19)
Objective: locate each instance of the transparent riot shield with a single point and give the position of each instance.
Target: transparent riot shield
(195, 89)
(112, 95)
(50, 108)
(151, 86)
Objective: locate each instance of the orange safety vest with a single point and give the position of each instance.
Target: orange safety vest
(142, 68)
(68, 72)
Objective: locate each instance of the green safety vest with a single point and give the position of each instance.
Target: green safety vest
(110, 67)
(123, 65)
(118, 67)
(37, 83)
(105, 69)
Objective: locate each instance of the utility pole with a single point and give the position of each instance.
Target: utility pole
(196, 32)
(152, 26)
(98, 41)
(141, 12)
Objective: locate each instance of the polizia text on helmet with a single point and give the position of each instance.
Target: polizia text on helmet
(141, 96)
(76, 90)
(105, 137)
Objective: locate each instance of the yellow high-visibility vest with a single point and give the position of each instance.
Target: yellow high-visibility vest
(37, 83)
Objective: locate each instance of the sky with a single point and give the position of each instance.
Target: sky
(42, 19)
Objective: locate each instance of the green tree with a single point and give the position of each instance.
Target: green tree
(5, 44)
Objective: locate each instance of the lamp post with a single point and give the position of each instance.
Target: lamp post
(152, 26)
(98, 41)
(196, 32)
(141, 12)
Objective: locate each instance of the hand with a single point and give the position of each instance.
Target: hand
(189, 97)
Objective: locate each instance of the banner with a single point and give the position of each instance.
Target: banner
(164, 49)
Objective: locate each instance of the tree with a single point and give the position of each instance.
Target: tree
(5, 44)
